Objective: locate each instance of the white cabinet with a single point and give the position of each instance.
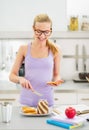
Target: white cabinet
(68, 98)
(13, 98)
(83, 98)
(65, 98)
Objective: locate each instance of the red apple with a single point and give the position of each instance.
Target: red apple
(70, 112)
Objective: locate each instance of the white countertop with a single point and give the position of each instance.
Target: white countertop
(73, 86)
(19, 122)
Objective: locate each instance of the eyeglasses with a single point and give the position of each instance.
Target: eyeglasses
(39, 32)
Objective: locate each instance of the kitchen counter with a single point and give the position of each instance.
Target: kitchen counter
(73, 86)
(67, 86)
(19, 122)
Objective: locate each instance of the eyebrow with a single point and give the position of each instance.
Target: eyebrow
(42, 30)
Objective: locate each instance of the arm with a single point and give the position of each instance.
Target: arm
(16, 66)
(15, 69)
(56, 70)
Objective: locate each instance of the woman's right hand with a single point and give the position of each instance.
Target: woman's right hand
(25, 83)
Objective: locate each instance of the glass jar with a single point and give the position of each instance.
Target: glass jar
(74, 25)
(85, 23)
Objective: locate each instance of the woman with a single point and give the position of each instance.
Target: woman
(42, 63)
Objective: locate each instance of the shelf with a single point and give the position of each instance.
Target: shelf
(55, 35)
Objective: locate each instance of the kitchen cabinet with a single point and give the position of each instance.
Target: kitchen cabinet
(83, 98)
(61, 98)
(72, 93)
(13, 98)
(68, 98)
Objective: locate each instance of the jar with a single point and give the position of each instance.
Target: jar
(74, 26)
(85, 23)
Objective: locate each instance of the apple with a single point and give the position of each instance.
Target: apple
(70, 112)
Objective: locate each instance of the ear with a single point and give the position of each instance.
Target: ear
(33, 27)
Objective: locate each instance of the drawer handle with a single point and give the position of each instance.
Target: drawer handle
(56, 99)
(85, 99)
(7, 99)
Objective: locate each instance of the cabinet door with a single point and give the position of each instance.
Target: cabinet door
(83, 99)
(13, 98)
(65, 98)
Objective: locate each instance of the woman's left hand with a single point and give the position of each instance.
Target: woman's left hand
(55, 83)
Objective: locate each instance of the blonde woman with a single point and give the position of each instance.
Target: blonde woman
(42, 64)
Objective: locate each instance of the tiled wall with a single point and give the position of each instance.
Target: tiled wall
(8, 49)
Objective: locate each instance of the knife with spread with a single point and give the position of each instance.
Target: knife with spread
(37, 93)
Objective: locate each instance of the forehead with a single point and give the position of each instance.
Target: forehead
(43, 25)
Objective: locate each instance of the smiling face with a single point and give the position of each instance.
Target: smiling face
(42, 27)
(42, 30)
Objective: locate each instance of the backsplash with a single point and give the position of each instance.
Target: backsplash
(72, 54)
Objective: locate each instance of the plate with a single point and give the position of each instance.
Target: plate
(34, 115)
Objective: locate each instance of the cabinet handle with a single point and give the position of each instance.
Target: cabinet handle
(56, 99)
(85, 99)
(7, 99)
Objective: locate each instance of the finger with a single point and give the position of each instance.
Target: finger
(27, 85)
(23, 84)
(60, 81)
(52, 84)
(30, 86)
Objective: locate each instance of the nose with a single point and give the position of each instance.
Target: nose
(43, 34)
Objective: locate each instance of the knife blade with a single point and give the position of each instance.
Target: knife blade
(37, 93)
(77, 48)
(84, 58)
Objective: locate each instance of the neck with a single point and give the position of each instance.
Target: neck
(39, 44)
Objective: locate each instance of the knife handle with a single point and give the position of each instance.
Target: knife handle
(85, 111)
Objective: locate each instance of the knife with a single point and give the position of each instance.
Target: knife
(84, 58)
(56, 111)
(87, 78)
(37, 93)
(77, 48)
(82, 112)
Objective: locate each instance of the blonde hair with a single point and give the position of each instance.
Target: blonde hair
(42, 18)
(45, 18)
(53, 47)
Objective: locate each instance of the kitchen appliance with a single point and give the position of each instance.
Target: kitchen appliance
(22, 70)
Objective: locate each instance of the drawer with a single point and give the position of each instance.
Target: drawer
(65, 98)
(13, 98)
(83, 99)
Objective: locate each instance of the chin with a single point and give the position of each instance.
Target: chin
(42, 40)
